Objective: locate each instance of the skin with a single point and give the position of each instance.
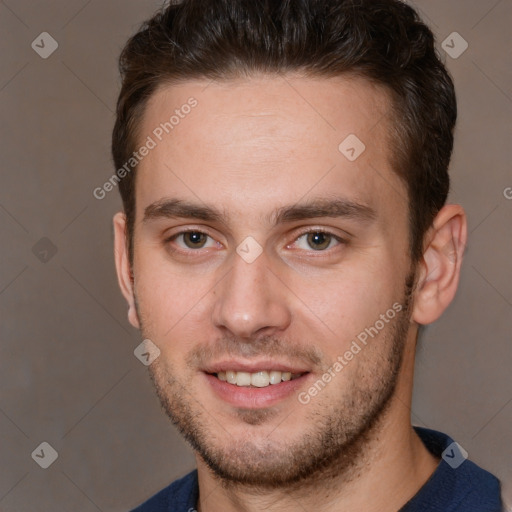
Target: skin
(250, 147)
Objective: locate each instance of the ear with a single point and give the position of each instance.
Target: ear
(439, 269)
(123, 267)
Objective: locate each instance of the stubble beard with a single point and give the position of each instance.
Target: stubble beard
(334, 443)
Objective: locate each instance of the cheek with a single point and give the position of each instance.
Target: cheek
(344, 302)
(172, 304)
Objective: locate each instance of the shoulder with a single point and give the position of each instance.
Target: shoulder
(457, 484)
(179, 496)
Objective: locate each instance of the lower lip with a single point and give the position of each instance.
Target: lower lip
(255, 398)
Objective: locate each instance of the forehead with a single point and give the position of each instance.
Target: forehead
(267, 139)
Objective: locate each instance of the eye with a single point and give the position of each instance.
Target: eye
(193, 240)
(317, 240)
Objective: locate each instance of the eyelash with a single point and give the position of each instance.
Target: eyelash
(183, 232)
(340, 240)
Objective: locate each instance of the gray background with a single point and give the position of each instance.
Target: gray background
(68, 375)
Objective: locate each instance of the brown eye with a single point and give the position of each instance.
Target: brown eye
(194, 239)
(319, 241)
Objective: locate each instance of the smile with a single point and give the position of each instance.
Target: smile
(260, 379)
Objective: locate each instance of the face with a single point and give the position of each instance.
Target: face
(270, 270)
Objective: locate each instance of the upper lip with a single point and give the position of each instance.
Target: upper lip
(254, 366)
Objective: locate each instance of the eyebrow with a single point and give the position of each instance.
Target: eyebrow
(171, 208)
(336, 207)
(333, 207)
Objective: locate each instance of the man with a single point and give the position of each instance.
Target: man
(283, 170)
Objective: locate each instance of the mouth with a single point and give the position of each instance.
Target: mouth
(259, 379)
(255, 385)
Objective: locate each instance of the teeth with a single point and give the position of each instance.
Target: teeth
(243, 379)
(275, 377)
(258, 379)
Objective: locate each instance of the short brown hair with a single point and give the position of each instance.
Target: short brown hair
(381, 40)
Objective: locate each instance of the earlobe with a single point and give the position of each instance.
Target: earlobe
(123, 267)
(441, 264)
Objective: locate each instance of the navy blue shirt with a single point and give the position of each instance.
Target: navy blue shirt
(457, 485)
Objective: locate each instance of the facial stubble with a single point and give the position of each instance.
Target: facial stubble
(335, 436)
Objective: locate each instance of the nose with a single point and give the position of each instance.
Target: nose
(250, 300)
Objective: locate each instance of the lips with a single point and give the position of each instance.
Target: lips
(255, 384)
